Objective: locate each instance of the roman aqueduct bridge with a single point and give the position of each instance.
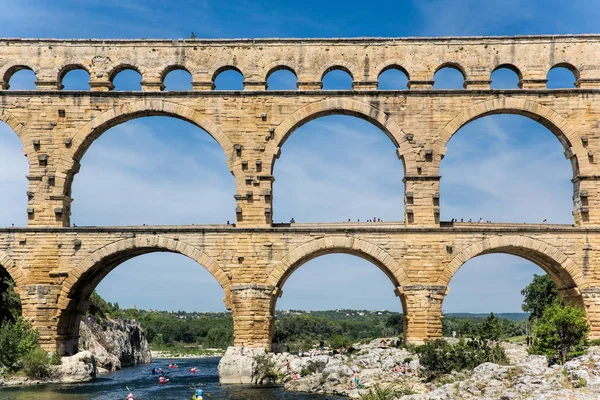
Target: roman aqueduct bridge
(56, 266)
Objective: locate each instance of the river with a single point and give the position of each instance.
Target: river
(145, 386)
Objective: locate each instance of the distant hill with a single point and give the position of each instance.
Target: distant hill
(511, 316)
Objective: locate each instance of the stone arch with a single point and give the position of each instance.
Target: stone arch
(549, 118)
(14, 271)
(452, 65)
(574, 70)
(8, 72)
(82, 280)
(381, 68)
(278, 66)
(344, 107)
(171, 68)
(122, 67)
(66, 68)
(563, 270)
(337, 244)
(341, 66)
(144, 108)
(10, 120)
(510, 67)
(224, 68)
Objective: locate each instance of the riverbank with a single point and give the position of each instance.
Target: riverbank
(106, 346)
(376, 364)
(185, 353)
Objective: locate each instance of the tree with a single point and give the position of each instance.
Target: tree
(539, 294)
(17, 339)
(10, 302)
(561, 332)
(491, 329)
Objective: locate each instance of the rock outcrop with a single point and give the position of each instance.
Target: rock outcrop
(115, 343)
(527, 376)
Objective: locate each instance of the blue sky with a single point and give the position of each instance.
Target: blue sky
(501, 168)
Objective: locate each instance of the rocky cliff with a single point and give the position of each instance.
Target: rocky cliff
(115, 343)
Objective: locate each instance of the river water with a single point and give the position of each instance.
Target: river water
(145, 386)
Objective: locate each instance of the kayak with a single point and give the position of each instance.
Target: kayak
(162, 380)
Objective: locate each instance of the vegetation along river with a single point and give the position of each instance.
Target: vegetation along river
(145, 386)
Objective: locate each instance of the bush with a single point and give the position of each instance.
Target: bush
(16, 340)
(304, 372)
(438, 357)
(378, 392)
(55, 359)
(338, 341)
(561, 333)
(36, 364)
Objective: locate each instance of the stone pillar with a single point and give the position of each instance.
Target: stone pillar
(255, 85)
(365, 85)
(591, 301)
(39, 304)
(305, 85)
(586, 200)
(477, 84)
(422, 200)
(588, 83)
(533, 82)
(254, 187)
(48, 84)
(203, 85)
(101, 85)
(422, 311)
(253, 309)
(152, 85)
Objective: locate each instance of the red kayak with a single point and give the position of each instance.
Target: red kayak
(162, 380)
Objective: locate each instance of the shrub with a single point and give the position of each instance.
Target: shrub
(438, 357)
(561, 333)
(338, 341)
(16, 340)
(304, 372)
(55, 359)
(36, 364)
(378, 392)
(265, 367)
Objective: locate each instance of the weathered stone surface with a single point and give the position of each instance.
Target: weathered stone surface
(56, 267)
(239, 366)
(114, 343)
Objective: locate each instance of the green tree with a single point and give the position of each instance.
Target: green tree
(561, 332)
(10, 302)
(17, 339)
(491, 329)
(539, 294)
(98, 308)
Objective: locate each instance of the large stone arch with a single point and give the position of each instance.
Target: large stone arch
(563, 270)
(549, 118)
(83, 279)
(337, 244)
(86, 135)
(350, 107)
(14, 271)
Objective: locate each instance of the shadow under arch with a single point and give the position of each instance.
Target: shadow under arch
(348, 107)
(91, 131)
(545, 116)
(83, 279)
(565, 273)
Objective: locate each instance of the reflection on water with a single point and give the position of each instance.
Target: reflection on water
(145, 386)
